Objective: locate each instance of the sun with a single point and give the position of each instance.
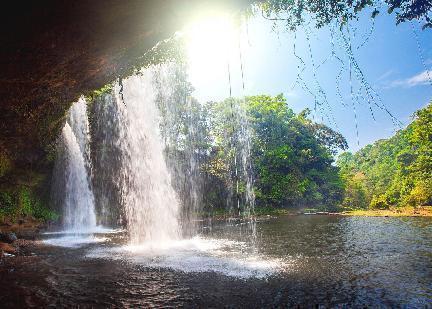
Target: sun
(211, 42)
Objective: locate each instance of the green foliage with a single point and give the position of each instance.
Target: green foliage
(25, 201)
(99, 92)
(22, 202)
(5, 163)
(355, 194)
(394, 172)
(7, 204)
(292, 156)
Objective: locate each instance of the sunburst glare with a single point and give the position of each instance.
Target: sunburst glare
(213, 44)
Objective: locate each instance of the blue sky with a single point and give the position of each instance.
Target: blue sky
(395, 63)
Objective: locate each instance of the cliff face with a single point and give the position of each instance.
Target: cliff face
(52, 51)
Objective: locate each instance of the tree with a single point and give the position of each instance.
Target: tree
(396, 171)
(324, 12)
(291, 155)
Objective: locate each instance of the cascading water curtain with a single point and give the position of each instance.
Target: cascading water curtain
(151, 205)
(107, 157)
(244, 139)
(238, 137)
(72, 172)
(145, 159)
(183, 132)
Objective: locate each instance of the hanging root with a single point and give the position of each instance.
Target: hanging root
(370, 95)
(360, 90)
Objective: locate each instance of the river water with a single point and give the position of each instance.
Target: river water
(292, 260)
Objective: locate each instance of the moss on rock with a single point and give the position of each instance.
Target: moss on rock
(24, 201)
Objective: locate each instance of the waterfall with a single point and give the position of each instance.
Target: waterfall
(149, 141)
(150, 203)
(107, 158)
(141, 129)
(236, 146)
(184, 134)
(244, 140)
(73, 180)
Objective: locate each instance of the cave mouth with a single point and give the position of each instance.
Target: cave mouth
(132, 187)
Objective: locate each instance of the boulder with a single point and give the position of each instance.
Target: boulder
(27, 233)
(8, 237)
(7, 248)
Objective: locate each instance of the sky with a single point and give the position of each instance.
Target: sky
(396, 62)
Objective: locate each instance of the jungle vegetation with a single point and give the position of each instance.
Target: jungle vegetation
(292, 158)
(391, 172)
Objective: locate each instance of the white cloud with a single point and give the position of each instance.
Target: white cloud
(291, 94)
(386, 75)
(423, 78)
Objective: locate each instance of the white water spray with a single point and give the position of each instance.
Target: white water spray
(150, 203)
(78, 203)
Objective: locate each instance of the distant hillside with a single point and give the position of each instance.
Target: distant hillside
(391, 172)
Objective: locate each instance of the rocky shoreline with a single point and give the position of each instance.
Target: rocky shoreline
(17, 238)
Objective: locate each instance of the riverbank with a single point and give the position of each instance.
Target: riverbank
(17, 235)
(425, 211)
(224, 214)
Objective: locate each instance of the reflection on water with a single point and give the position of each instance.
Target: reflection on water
(303, 260)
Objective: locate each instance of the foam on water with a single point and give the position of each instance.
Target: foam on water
(74, 241)
(227, 257)
(99, 229)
